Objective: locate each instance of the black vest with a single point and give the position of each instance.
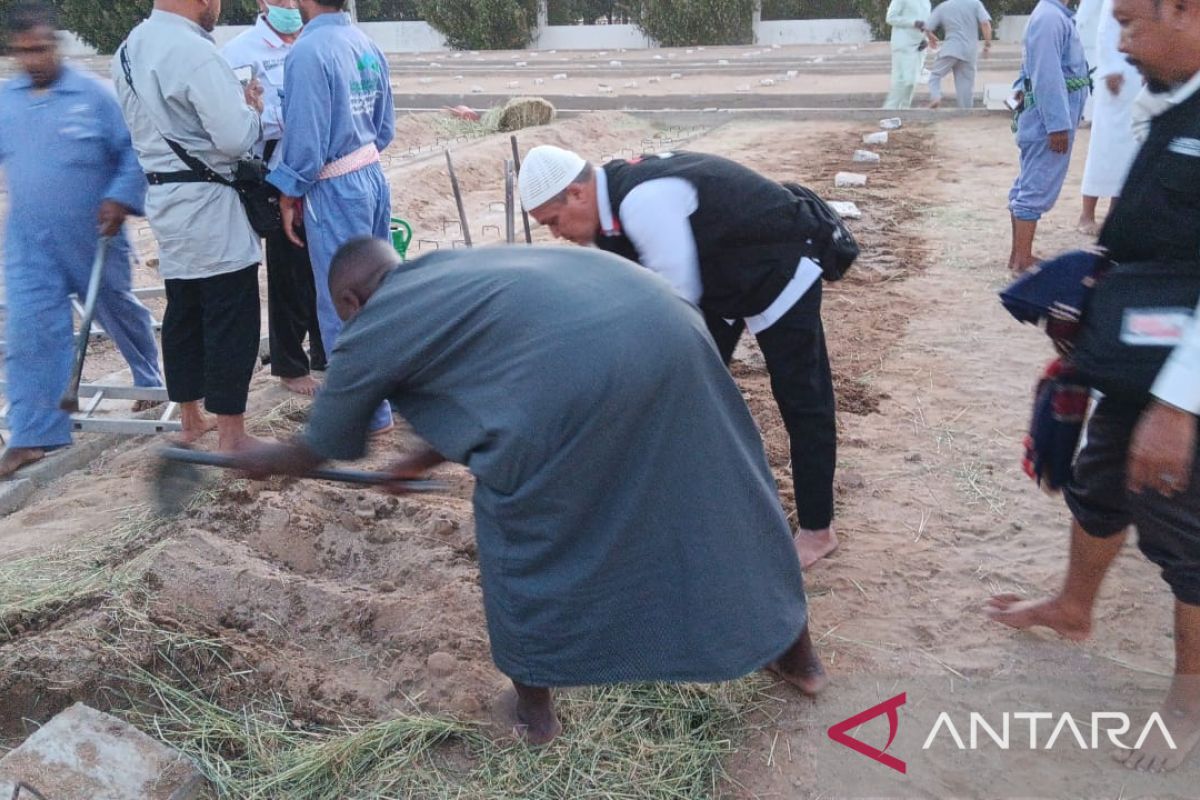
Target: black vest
(1157, 217)
(750, 231)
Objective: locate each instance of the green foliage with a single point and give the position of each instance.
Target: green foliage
(808, 9)
(482, 24)
(586, 12)
(677, 23)
(388, 10)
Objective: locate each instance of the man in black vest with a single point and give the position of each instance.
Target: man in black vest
(736, 245)
(1136, 467)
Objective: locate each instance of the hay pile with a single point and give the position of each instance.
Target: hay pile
(520, 112)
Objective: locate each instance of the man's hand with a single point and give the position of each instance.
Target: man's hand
(263, 460)
(111, 217)
(291, 211)
(412, 467)
(1059, 142)
(1114, 83)
(987, 48)
(919, 25)
(1161, 451)
(254, 94)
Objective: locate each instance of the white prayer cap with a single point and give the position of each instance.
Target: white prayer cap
(545, 172)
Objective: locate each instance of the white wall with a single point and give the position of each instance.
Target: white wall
(1012, 27)
(591, 37)
(404, 37)
(812, 31)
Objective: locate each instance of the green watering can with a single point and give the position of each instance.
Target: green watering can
(401, 236)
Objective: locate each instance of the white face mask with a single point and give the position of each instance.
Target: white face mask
(284, 20)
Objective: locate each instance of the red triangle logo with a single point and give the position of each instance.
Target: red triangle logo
(839, 733)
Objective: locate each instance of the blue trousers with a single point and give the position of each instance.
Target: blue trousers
(40, 331)
(1043, 171)
(336, 211)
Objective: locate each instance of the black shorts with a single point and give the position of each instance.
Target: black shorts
(1168, 528)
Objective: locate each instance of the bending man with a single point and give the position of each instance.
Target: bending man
(734, 243)
(628, 525)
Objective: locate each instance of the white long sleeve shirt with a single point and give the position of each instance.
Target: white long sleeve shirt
(654, 216)
(902, 16)
(262, 49)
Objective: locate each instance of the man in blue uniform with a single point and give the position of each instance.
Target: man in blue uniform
(1054, 84)
(70, 167)
(338, 114)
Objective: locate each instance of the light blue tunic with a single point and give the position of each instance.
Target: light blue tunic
(337, 98)
(1053, 53)
(64, 151)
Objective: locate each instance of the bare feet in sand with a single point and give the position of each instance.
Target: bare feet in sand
(1050, 612)
(529, 713)
(801, 666)
(16, 457)
(1182, 720)
(195, 423)
(1088, 227)
(305, 385)
(238, 443)
(145, 405)
(812, 546)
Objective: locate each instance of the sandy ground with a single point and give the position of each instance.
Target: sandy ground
(349, 602)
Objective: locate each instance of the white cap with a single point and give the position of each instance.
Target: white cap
(545, 172)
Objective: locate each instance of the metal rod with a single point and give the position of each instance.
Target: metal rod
(510, 233)
(517, 171)
(70, 397)
(340, 475)
(458, 200)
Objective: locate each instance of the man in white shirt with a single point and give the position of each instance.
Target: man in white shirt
(1137, 464)
(738, 246)
(173, 85)
(907, 18)
(291, 292)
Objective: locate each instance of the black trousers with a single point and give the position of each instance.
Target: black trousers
(292, 309)
(210, 338)
(801, 380)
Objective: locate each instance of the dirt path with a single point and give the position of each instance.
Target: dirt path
(935, 516)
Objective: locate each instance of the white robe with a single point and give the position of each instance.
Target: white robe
(1112, 146)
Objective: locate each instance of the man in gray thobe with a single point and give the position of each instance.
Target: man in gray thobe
(628, 525)
(960, 19)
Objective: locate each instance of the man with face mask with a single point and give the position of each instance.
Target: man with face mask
(291, 293)
(337, 110)
(72, 176)
(174, 87)
(1137, 466)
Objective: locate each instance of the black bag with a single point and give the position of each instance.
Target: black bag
(1134, 318)
(833, 247)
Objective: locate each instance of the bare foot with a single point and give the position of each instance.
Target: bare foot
(1088, 227)
(529, 715)
(145, 405)
(801, 666)
(305, 385)
(1049, 612)
(1155, 754)
(16, 457)
(238, 443)
(812, 546)
(195, 423)
(935, 103)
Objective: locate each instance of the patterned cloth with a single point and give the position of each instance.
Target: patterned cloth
(1052, 295)
(1059, 408)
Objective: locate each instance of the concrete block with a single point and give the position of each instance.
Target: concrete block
(890, 124)
(14, 495)
(865, 157)
(845, 209)
(848, 179)
(83, 754)
(879, 137)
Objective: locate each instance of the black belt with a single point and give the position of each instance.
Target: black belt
(186, 176)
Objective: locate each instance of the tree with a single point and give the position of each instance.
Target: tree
(677, 23)
(483, 24)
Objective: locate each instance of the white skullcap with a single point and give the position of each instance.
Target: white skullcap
(545, 172)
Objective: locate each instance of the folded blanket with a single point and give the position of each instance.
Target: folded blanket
(1059, 407)
(1052, 295)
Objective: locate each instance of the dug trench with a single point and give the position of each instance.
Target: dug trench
(342, 603)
